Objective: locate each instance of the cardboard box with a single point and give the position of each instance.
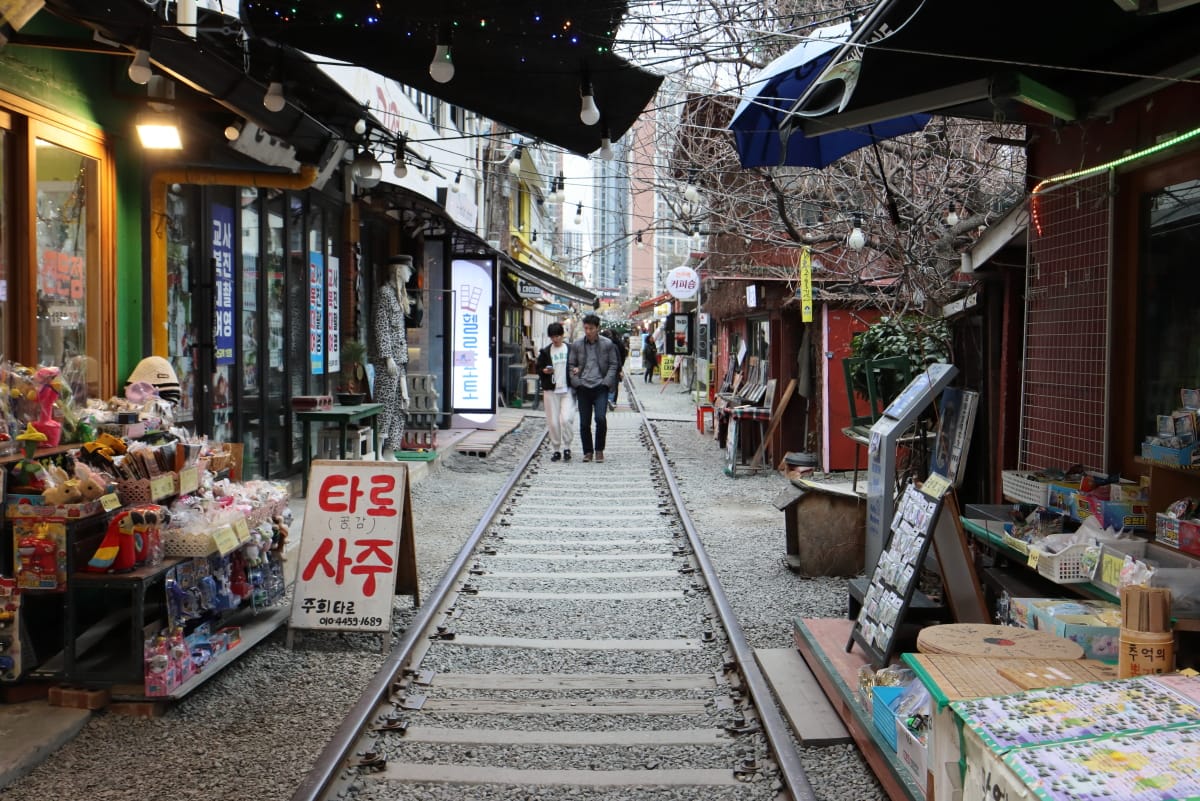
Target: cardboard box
(1020, 613)
(1112, 514)
(913, 754)
(1189, 536)
(1180, 457)
(1094, 625)
(1166, 530)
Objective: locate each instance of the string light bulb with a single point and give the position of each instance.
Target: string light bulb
(273, 99)
(401, 168)
(951, 218)
(233, 130)
(367, 172)
(691, 194)
(606, 151)
(589, 112)
(641, 245)
(454, 187)
(857, 240)
(579, 214)
(441, 69)
(425, 171)
(360, 126)
(514, 166)
(140, 70)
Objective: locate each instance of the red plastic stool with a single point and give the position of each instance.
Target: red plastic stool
(701, 411)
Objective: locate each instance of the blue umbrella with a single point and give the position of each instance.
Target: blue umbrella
(760, 124)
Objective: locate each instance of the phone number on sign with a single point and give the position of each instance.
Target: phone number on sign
(350, 622)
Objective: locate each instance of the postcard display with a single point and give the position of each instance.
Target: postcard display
(1132, 739)
(895, 576)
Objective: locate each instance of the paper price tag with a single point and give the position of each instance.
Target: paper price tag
(242, 529)
(1035, 556)
(110, 501)
(162, 486)
(226, 540)
(935, 486)
(189, 479)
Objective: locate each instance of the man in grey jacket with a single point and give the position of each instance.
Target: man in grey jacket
(593, 366)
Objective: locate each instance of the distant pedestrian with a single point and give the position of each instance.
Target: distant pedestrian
(557, 396)
(649, 359)
(593, 360)
(622, 352)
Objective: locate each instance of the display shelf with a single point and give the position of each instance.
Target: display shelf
(1169, 484)
(821, 642)
(255, 627)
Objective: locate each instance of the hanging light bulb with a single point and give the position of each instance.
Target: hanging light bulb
(441, 69)
(401, 168)
(579, 214)
(273, 99)
(691, 194)
(533, 237)
(514, 166)
(233, 130)
(589, 112)
(367, 172)
(454, 187)
(360, 126)
(425, 172)
(857, 239)
(606, 151)
(695, 234)
(952, 218)
(641, 245)
(140, 71)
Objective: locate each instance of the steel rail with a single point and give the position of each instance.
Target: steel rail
(777, 732)
(332, 756)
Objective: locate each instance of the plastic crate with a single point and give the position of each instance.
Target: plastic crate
(1023, 487)
(1066, 566)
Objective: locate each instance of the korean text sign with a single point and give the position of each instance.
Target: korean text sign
(349, 546)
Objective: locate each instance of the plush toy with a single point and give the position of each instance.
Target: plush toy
(47, 393)
(28, 474)
(281, 534)
(66, 492)
(92, 484)
(101, 452)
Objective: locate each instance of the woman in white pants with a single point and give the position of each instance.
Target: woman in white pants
(557, 396)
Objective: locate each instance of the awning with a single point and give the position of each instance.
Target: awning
(520, 63)
(551, 283)
(1071, 59)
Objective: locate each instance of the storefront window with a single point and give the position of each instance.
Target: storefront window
(278, 415)
(251, 284)
(1168, 337)
(181, 329)
(66, 251)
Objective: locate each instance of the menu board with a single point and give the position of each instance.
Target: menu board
(895, 576)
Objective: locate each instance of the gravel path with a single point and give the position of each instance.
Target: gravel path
(255, 729)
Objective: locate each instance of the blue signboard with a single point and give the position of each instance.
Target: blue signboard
(222, 251)
(316, 313)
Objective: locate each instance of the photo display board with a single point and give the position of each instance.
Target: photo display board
(895, 576)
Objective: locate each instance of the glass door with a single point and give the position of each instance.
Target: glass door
(250, 404)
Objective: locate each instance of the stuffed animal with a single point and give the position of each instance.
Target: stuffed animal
(92, 484)
(66, 492)
(281, 534)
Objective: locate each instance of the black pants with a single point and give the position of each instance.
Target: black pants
(593, 402)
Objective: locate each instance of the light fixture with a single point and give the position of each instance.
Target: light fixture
(533, 237)
(426, 169)
(606, 151)
(589, 113)
(579, 214)
(367, 172)
(514, 166)
(640, 244)
(273, 99)
(695, 234)
(857, 239)
(441, 69)
(159, 130)
(454, 187)
(951, 218)
(139, 69)
(691, 194)
(401, 168)
(360, 126)
(233, 130)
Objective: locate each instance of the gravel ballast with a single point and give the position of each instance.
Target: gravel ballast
(256, 728)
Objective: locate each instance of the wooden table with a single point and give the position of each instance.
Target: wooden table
(343, 416)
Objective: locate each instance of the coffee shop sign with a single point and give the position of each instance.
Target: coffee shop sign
(683, 283)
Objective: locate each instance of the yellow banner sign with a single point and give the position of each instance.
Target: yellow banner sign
(806, 295)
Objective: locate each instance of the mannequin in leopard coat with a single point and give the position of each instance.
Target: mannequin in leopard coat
(389, 354)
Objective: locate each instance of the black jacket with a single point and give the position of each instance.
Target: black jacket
(543, 361)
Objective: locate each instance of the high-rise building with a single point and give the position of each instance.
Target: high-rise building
(610, 220)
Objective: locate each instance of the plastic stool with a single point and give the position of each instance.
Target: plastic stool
(701, 411)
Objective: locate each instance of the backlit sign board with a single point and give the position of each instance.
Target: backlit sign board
(472, 376)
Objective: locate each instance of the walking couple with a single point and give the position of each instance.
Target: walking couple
(582, 374)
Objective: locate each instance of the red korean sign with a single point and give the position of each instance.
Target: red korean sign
(356, 546)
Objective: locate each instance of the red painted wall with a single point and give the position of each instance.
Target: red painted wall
(840, 326)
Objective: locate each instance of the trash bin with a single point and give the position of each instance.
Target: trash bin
(532, 390)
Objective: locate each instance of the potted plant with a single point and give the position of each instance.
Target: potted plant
(353, 388)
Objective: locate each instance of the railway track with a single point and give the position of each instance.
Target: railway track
(577, 647)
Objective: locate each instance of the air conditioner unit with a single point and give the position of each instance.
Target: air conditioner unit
(494, 244)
